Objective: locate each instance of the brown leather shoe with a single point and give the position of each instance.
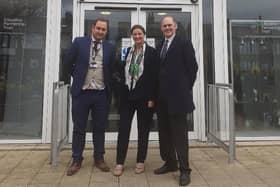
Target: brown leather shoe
(101, 164)
(74, 168)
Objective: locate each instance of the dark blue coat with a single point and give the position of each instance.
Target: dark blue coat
(177, 74)
(77, 61)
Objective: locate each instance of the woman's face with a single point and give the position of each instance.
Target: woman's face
(138, 36)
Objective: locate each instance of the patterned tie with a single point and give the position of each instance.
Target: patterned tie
(96, 45)
(95, 49)
(164, 50)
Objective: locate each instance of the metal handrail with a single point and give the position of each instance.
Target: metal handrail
(214, 105)
(60, 116)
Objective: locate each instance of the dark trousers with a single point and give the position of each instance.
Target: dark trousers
(173, 137)
(144, 119)
(93, 101)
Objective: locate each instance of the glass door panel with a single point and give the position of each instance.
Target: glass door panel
(153, 23)
(22, 69)
(119, 27)
(118, 32)
(255, 55)
(153, 18)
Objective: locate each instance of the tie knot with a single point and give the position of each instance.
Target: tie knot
(96, 43)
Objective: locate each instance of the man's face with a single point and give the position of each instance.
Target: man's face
(99, 30)
(168, 27)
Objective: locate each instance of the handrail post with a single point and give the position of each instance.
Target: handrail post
(59, 119)
(54, 127)
(232, 152)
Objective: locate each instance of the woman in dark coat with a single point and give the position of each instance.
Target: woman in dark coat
(138, 79)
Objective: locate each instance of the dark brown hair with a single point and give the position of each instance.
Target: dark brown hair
(137, 27)
(100, 19)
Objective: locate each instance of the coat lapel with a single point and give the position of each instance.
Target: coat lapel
(172, 45)
(87, 47)
(160, 46)
(146, 54)
(104, 46)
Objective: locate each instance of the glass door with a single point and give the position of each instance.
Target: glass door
(121, 17)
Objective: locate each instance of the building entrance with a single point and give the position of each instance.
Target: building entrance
(121, 17)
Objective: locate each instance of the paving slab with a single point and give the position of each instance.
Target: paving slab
(256, 166)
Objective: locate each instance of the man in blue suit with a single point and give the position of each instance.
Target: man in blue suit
(89, 60)
(177, 74)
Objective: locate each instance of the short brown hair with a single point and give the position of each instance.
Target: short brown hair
(137, 27)
(101, 20)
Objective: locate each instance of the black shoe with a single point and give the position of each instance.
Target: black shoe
(185, 179)
(165, 169)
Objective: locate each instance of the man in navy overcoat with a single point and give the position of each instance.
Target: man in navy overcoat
(177, 74)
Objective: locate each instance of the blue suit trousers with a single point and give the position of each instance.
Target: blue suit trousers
(94, 102)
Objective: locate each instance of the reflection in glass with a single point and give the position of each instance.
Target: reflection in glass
(66, 37)
(208, 43)
(153, 19)
(22, 49)
(256, 60)
(257, 9)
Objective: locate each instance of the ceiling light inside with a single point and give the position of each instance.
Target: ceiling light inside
(105, 13)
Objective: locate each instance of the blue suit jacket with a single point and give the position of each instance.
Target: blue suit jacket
(77, 62)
